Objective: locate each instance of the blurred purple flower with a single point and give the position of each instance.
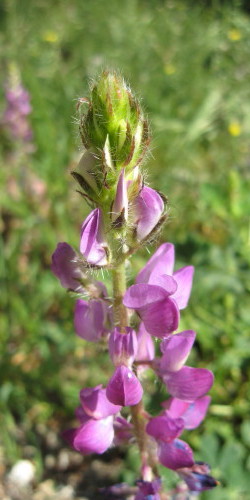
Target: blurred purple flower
(197, 477)
(148, 490)
(17, 110)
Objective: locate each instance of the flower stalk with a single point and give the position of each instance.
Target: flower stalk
(127, 213)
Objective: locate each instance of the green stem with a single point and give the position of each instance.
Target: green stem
(137, 411)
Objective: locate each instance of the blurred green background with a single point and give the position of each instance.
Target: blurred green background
(190, 63)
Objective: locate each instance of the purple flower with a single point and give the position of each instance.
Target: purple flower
(146, 210)
(197, 477)
(95, 403)
(124, 387)
(66, 268)
(15, 115)
(93, 436)
(175, 455)
(146, 348)
(148, 490)
(161, 264)
(92, 244)
(189, 383)
(192, 414)
(175, 349)
(155, 307)
(92, 319)
(123, 347)
(183, 382)
(165, 428)
(123, 430)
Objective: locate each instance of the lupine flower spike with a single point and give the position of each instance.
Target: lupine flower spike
(125, 214)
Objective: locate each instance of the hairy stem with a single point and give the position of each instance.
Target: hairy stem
(148, 462)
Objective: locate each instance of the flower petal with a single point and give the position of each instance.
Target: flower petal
(124, 387)
(146, 348)
(90, 319)
(158, 312)
(176, 349)
(65, 267)
(92, 241)
(95, 403)
(165, 428)
(175, 455)
(189, 383)
(123, 347)
(94, 436)
(184, 279)
(147, 209)
(161, 262)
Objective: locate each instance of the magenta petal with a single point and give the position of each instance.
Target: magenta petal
(176, 349)
(146, 348)
(189, 383)
(124, 387)
(123, 346)
(161, 262)
(165, 428)
(175, 455)
(138, 296)
(94, 436)
(90, 318)
(92, 242)
(158, 312)
(95, 403)
(184, 279)
(147, 210)
(196, 412)
(65, 267)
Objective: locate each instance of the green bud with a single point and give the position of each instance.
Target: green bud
(114, 126)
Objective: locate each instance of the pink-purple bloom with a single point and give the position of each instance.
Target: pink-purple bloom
(147, 210)
(96, 431)
(159, 294)
(96, 404)
(65, 266)
(124, 387)
(92, 244)
(92, 319)
(123, 347)
(15, 115)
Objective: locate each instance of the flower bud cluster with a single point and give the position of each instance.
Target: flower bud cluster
(126, 213)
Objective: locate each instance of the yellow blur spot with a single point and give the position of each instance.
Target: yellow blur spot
(234, 129)
(234, 35)
(169, 69)
(50, 36)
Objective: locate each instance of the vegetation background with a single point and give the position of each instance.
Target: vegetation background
(190, 63)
